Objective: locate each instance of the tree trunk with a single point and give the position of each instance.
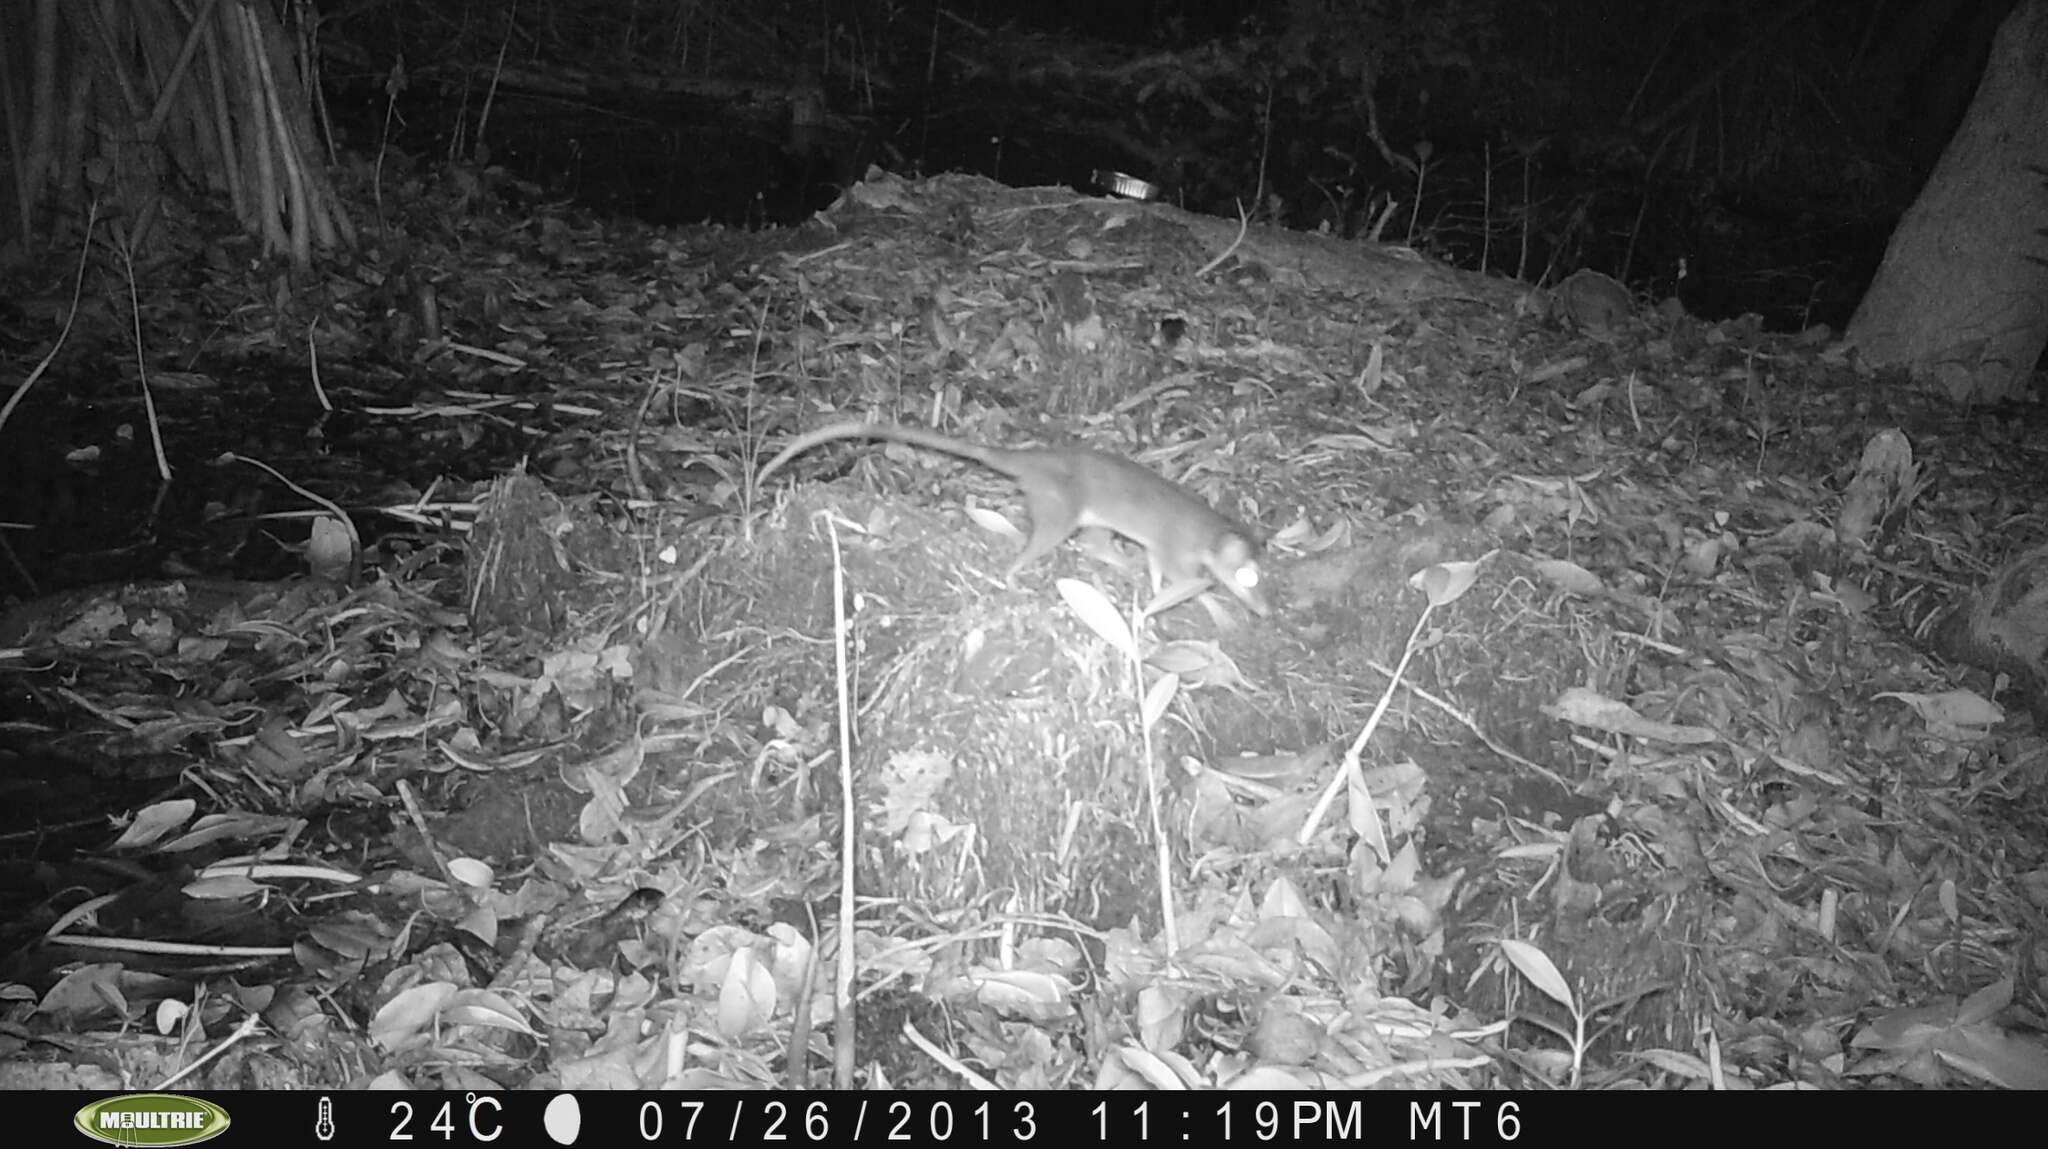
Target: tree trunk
(1962, 295)
(112, 105)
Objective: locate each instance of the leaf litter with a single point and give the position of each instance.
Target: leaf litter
(1723, 771)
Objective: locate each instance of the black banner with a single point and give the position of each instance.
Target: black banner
(515, 1120)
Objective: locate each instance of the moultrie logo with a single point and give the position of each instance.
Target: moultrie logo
(151, 1119)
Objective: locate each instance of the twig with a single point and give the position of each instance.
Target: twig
(1472, 724)
(842, 1021)
(313, 361)
(77, 285)
(355, 539)
(1244, 223)
(243, 1030)
(156, 432)
(1155, 784)
(636, 482)
(959, 1067)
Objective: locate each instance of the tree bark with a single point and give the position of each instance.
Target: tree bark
(128, 101)
(1962, 295)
